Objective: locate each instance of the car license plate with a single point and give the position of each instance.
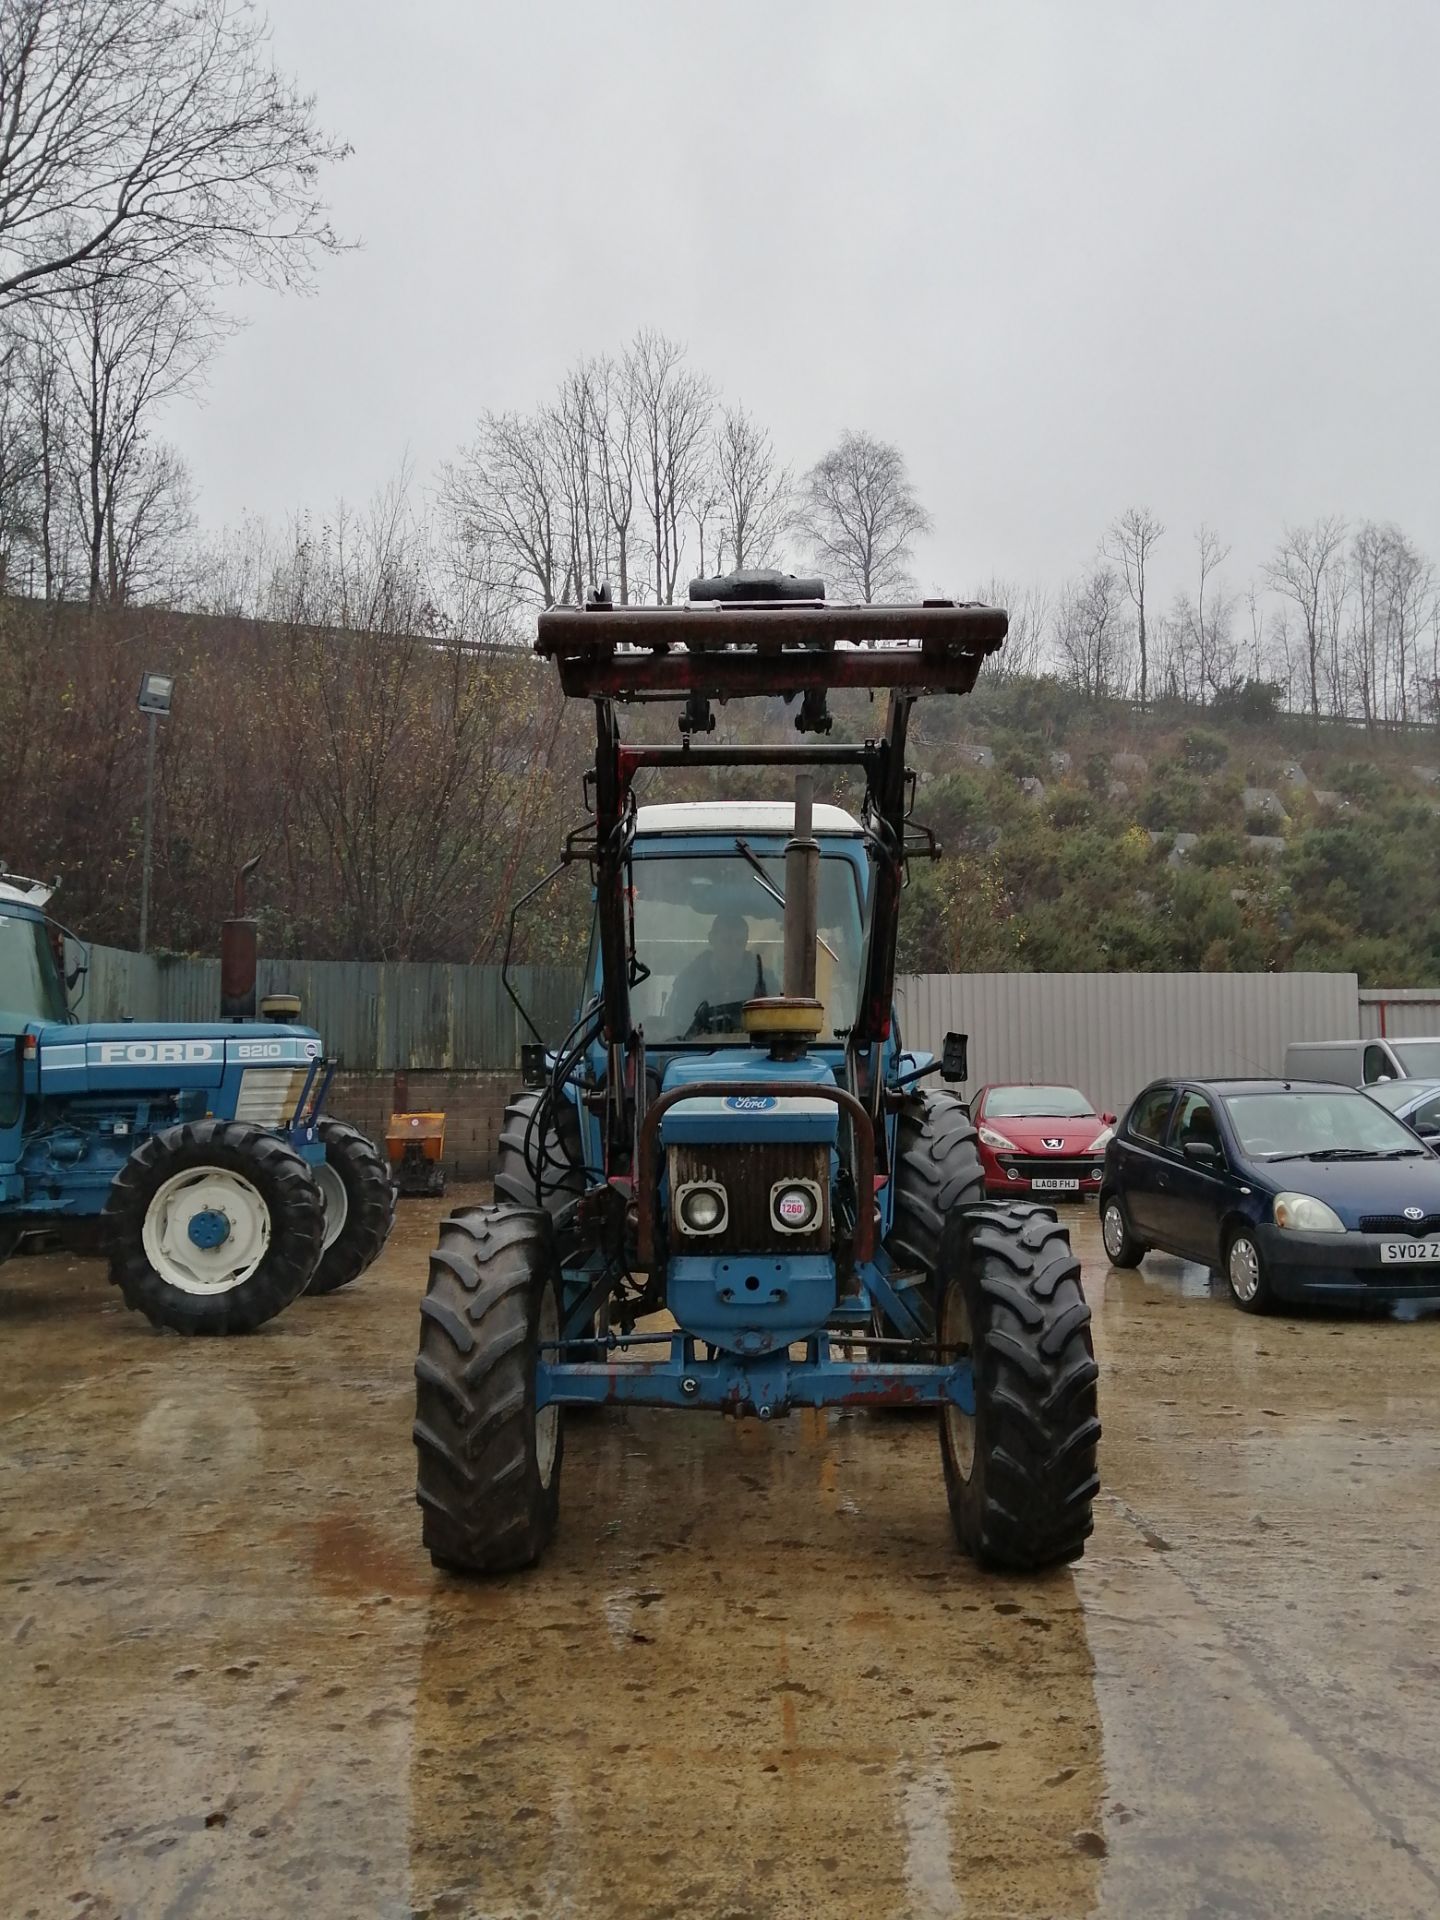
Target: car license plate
(1409, 1253)
(1066, 1186)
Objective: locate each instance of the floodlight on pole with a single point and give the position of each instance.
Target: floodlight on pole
(156, 692)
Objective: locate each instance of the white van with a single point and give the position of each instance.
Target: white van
(1360, 1063)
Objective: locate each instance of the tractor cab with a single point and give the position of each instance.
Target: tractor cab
(725, 1188)
(32, 988)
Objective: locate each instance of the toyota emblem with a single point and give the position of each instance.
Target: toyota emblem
(1414, 1213)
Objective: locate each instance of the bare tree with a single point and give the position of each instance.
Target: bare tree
(1128, 543)
(125, 346)
(615, 455)
(136, 134)
(1026, 641)
(506, 499)
(754, 492)
(1215, 646)
(19, 464)
(671, 407)
(860, 515)
(1300, 569)
(1091, 635)
(1255, 618)
(1391, 588)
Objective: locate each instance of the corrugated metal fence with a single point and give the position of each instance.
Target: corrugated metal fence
(1111, 1032)
(374, 1015)
(1107, 1032)
(1399, 1013)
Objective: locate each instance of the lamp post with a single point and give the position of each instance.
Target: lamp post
(155, 693)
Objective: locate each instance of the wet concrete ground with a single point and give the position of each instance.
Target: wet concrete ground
(752, 1679)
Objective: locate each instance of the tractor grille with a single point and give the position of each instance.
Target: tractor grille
(1397, 1223)
(268, 1095)
(747, 1174)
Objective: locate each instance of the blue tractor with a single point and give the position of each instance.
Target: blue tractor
(199, 1155)
(726, 1189)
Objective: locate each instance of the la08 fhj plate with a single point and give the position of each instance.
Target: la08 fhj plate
(1409, 1253)
(1054, 1186)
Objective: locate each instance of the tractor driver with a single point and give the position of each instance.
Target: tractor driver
(724, 974)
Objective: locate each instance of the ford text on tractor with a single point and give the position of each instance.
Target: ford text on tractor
(733, 1136)
(199, 1155)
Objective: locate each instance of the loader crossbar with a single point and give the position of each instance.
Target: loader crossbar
(727, 651)
(765, 1385)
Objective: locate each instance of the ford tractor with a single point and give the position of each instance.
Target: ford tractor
(728, 1188)
(199, 1156)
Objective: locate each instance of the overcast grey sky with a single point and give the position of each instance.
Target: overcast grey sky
(1069, 254)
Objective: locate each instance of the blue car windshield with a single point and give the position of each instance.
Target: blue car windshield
(711, 929)
(1336, 1123)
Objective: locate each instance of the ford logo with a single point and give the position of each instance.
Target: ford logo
(1414, 1213)
(749, 1102)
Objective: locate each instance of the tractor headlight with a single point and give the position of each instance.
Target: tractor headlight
(1303, 1213)
(794, 1205)
(702, 1207)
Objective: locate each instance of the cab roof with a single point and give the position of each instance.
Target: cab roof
(739, 816)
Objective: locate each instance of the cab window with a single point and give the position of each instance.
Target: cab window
(1377, 1064)
(1152, 1109)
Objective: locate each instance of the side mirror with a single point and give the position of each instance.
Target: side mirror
(955, 1058)
(1107, 1119)
(1200, 1153)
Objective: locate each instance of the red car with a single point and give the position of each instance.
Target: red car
(1041, 1140)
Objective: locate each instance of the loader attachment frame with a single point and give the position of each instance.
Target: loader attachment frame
(724, 650)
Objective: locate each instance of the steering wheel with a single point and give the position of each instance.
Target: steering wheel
(721, 1016)
(1262, 1144)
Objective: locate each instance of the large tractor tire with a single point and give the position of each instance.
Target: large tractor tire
(359, 1194)
(937, 1176)
(213, 1227)
(557, 1153)
(489, 1462)
(1020, 1471)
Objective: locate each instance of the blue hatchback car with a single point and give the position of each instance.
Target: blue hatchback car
(1292, 1190)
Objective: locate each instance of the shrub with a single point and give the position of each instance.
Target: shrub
(1203, 750)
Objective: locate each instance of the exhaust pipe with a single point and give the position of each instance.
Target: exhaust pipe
(239, 954)
(791, 1019)
(802, 894)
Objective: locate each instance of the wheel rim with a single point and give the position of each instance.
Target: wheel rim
(337, 1203)
(206, 1230)
(547, 1420)
(955, 1341)
(1244, 1269)
(1113, 1230)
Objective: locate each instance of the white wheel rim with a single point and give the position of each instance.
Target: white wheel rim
(1114, 1231)
(955, 1340)
(547, 1420)
(1244, 1269)
(337, 1203)
(215, 1192)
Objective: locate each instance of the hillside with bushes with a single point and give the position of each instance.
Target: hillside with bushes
(1088, 837)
